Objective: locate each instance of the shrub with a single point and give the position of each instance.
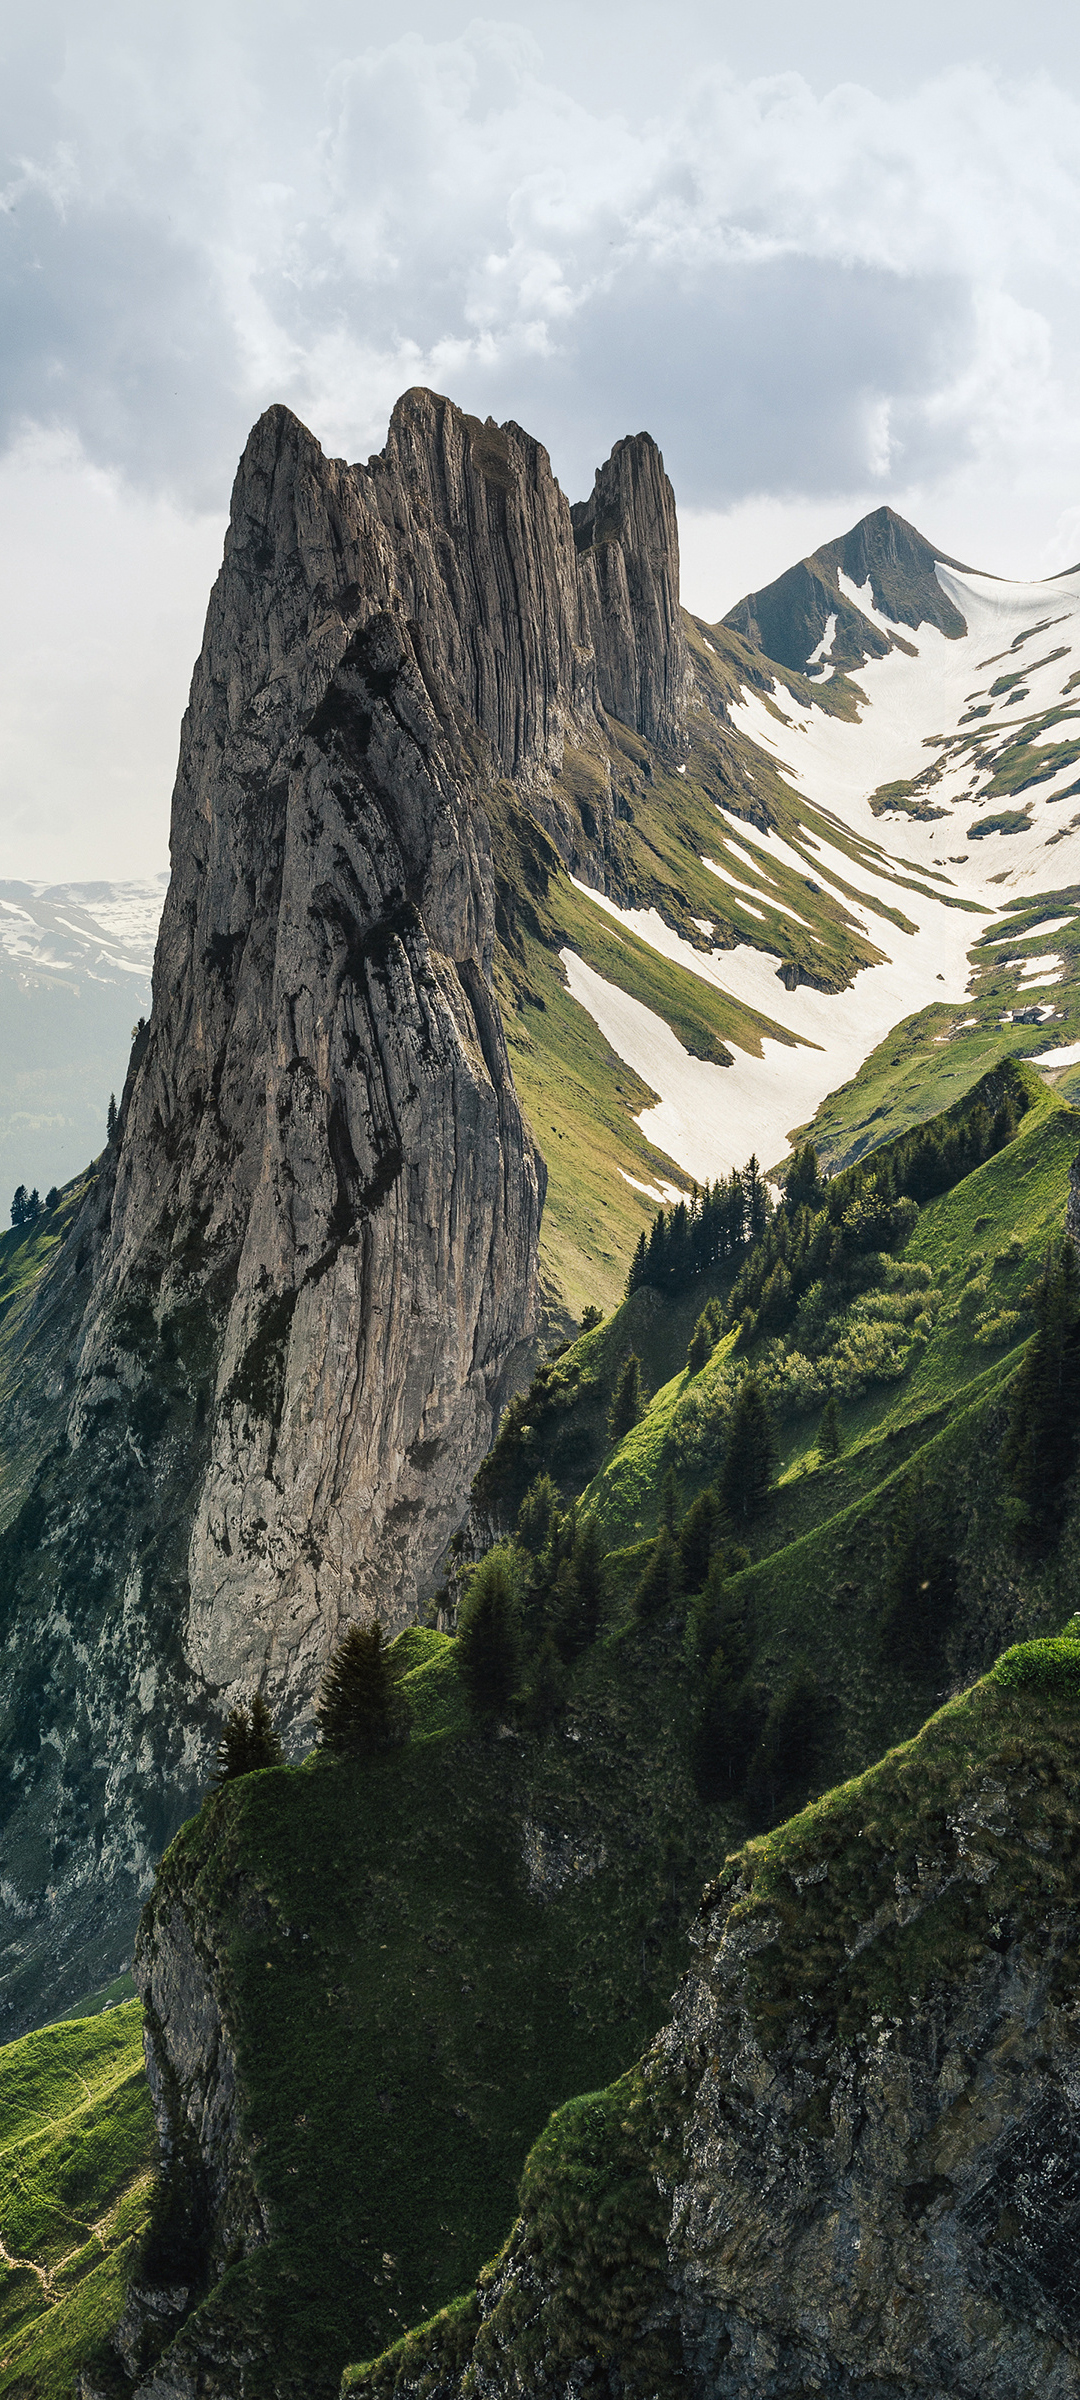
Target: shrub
(997, 1329)
(1048, 1666)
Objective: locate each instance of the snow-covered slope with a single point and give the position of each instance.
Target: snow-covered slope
(964, 754)
(928, 783)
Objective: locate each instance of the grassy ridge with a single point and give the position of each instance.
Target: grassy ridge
(76, 2190)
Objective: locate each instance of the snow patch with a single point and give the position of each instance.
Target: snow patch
(1067, 1056)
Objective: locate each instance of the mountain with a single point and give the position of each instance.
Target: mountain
(75, 961)
(272, 1336)
(491, 865)
(847, 602)
(493, 869)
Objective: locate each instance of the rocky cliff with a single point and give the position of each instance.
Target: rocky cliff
(628, 543)
(275, 1342)
(851, 2163)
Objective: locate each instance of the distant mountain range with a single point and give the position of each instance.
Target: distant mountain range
(75, 961)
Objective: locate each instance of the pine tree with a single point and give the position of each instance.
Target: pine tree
(488, 1640)
(660, 1584)
(783, 1763)
(638, 1266)
(544, 1696)
(699, 1535)
(578, 1595)
(536, 1515)
(705, 1336)
(359, 1708)
(627, 1404)
(830, 1440)
(590, 1318)
(110, 1120)
(19, 1205)
(249, 1741)
(727, 1730)
(33, 1207)
(52, 1199)
(920, 1582)
(802, 1184)
(669, 1499)
(750, 1454)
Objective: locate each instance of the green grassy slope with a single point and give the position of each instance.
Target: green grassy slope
(980, 1243)
(817, 1588)
(419, 1957)
(76, 2190)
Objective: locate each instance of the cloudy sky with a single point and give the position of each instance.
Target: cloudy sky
(828, 255)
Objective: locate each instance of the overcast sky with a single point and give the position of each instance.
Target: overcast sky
(828, 255)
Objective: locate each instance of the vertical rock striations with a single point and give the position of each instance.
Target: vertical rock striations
(628, 543)
(305, 1277)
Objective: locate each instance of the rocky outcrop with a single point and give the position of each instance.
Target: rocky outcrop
(851, 2163)
(278, 1337)
(628, 544)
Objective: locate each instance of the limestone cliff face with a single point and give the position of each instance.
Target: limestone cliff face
(277, 1340)
(628, 542)
(325, 1095)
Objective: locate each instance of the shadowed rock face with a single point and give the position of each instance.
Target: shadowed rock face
(276, 1342)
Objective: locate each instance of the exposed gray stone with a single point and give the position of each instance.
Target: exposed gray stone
(254, 1385)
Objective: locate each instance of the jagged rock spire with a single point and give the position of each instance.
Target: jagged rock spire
(627, 537)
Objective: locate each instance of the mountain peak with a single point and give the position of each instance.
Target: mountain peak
(885, 563)
(627, 538)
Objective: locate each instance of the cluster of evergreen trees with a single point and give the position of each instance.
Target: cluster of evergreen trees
(718, 1224)
(27, 1207)
(735, 1217)
(532, 1607)
(360, 1708)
